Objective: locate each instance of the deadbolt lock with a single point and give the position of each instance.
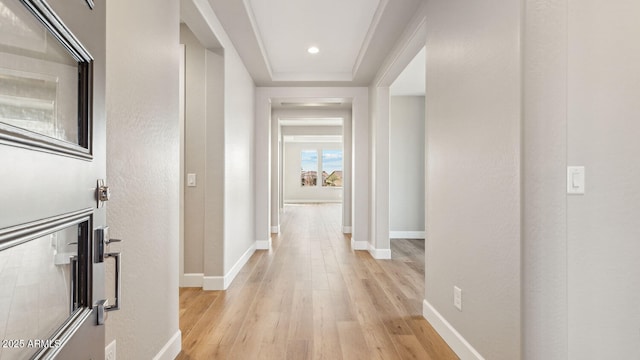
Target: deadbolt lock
(102, 193)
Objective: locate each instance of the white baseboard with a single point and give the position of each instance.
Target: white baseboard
(263, 244)
(346, 229)
(379, 254)
(275, 229)
(359, 245)
(451, 336)
(171, 349)
(213, 283)
(407, 234)
(191, 280)
(223, 282)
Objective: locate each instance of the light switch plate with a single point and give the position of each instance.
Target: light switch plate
(575, 180)
(191, 180)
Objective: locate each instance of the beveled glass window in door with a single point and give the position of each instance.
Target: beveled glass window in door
(39, 290)
(45, 81)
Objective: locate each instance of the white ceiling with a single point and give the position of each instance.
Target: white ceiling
(354, 38)
(288, 28)
(411, 81)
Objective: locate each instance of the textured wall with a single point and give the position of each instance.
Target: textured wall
(379, 161)
(406, 163)
(143, 170)
(544, 233)
(473, 170)
(214, 152)
(239, 155)
(195, 150)
(603, 232)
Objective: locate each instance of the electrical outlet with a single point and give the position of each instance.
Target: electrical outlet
(457, 298)
(110, 351)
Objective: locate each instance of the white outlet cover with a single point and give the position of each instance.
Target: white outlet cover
(457, 298)
(110, 351)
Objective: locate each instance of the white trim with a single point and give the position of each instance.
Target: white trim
(213, 283)
(171, 349)
(379, 254)
(275, 229)
(407, 46)
(181, 104)
(313, 201)
(359, 245)
(223, 282)
(294, 76)
(191, 280)
(263, 244)
(406, 234)
(377, 16)
(346, 229)
(254, 27)
(451, 336)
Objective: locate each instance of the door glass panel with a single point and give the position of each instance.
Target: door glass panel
(38, 77)
(35, 292)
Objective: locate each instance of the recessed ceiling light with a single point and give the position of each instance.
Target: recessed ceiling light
(313, 50)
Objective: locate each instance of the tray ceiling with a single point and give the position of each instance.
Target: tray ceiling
(353, 36)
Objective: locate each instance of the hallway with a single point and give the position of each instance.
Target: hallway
(311, 297)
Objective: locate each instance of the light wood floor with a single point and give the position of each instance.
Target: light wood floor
(311, 297)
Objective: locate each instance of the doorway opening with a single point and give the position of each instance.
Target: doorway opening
(407, 160)
(311, 157)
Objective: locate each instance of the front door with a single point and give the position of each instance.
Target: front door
(52, 153)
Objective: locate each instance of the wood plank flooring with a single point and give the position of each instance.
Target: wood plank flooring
(311, 297)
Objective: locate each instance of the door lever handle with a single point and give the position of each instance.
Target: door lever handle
(109, 241)
(102, 239)
(118, 281)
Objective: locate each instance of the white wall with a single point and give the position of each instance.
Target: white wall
(195, 150)
(239, 112)
(544, 156)
(580, 275)
(410, 42)
(406, 165)
(143, 172)
(204, 157)
(230, 191)
(603, 127)
(379, 244)
(293, 191)
(473, 173)
(213, 153)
